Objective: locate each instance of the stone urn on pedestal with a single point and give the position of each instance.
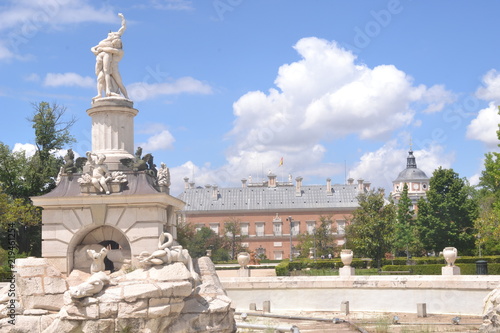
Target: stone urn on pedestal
(450, 255)
(346, 257)
(243, 260)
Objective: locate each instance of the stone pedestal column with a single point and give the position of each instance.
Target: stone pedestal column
(244, 272)
(450, 270)
(346, 271)
(113, 129)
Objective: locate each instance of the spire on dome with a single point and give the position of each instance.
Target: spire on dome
(411, 163)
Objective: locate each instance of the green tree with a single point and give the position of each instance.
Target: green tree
(446, 216)
(22, 177)
(52, 133)
(25, 219)
(232, 236)
(488, 195)
(406, 239)
(371, 231)
(198, 242)
(322, 239)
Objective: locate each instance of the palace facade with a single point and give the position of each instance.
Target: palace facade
(272, 214)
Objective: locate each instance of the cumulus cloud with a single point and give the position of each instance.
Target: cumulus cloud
(68, 80)
(28, 148)
(141, 91)
(21, 20)
(200, 175)
(484, 127)
(437, 97)
(159, 141)
(490, 89)
(37, 14)
(172, 4)
(324, 96)
(382, 166)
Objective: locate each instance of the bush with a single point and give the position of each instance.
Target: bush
(282, 269)
(435, 269)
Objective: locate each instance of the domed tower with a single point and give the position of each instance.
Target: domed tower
(416, 179)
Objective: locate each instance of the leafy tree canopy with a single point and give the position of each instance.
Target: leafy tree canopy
(446, 216)
(371, 231)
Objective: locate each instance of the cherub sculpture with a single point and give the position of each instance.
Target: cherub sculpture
(99, 171)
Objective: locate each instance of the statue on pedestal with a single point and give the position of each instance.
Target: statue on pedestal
(164, 175)
(108, 54)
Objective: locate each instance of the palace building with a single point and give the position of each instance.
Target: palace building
(269, 211)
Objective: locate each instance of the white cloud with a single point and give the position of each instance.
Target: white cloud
(172, 4)
(28, 148)
(490, 91)
(38, 14)
(141, 91)
(383, 166)
(200, 175)
(484, 127)
(22, 20)
(68, 79)
(474, 179)
(326, 95)
(437, 97)
(159, 141)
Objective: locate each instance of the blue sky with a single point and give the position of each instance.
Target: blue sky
(225, 88)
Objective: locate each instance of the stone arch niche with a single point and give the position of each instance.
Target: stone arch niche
(96, 238)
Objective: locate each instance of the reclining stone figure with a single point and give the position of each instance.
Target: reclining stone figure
(168, 253)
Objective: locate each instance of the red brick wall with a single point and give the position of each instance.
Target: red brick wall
(268, 241)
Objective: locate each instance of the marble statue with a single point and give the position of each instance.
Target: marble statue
(168, 253)
(164, 175)
(139, 163)
(99, 172)
(108, 54)
(92, 286)
(59, 175)
(69, 162)
(99, 177)
(97, 260)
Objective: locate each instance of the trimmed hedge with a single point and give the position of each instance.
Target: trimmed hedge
(439, 260)
(435, 269)
(418, 266)
(284, 268)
